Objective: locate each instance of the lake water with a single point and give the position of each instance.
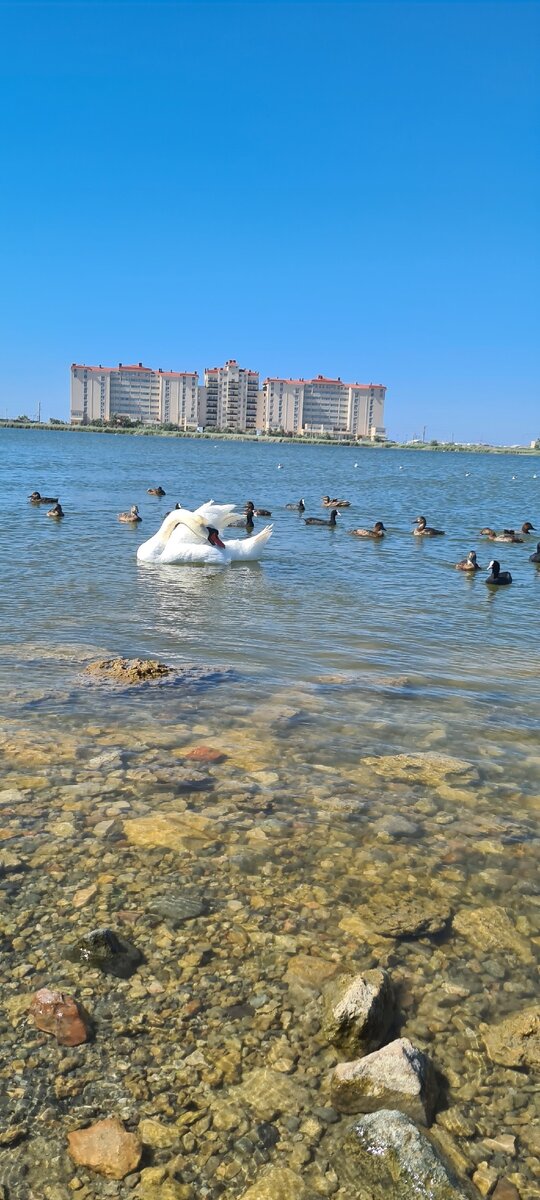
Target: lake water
(332, 657)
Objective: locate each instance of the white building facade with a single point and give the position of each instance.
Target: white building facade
(134, 391)
(322, 405)
(229, 398)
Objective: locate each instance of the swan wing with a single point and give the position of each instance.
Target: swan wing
(214, 514)
(251, 548)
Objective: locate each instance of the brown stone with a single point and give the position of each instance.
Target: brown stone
(128, 670)
(106, 1148)
(515, 1042)
(505, 1191)
(56, 1013)
(204, 754)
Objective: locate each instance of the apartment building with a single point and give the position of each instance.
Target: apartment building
(134, 391)
(229, 397)
(323, 405)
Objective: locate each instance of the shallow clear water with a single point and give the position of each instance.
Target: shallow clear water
(336, 653)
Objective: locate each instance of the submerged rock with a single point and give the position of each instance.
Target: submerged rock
(515, 1042)
(60, 1015)
(358, 1011)
(491, 929)
(176, 909)
(398, 1076)
(128, 670)
(405, 917)
(107, 1148)
(277, 1183)
(103, 948)
(385, 1157)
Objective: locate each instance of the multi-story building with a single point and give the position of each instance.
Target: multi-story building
(229, 397)
(138, 392)
(324, 405)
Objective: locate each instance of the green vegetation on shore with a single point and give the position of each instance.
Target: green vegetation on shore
(140, 430)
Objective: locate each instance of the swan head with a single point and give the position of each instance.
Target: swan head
(214, 538)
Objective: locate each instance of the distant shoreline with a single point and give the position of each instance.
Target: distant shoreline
(216, 435)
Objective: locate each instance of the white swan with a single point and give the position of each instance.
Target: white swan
(194, 537)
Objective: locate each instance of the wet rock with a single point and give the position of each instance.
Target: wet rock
(176, 831)
(154, 1133)
(269, 1093)
(399, 1077)
(106, 1148)
(406, 916)
(120, 673)
(358, 1011)
(103, 948)
(309, 971)
(278, 1183)
(490, 929)
(177, 909)
(205, 754)
(424, 767)
(60, 1015)
(127, 671)
(485, 1178)
(515, 1042)
(505, 1191)
(385, 1157)
(396, 826)
(11, 1135)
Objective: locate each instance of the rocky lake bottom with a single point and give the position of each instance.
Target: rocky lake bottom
(255, 848)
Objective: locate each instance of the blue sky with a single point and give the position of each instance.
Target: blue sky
(348, 189)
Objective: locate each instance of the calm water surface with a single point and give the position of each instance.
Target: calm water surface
(336, 655)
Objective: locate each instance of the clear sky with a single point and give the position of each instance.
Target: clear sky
(339, 188)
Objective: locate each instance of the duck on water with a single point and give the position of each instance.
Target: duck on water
(300, 507)
(425, 530)
(328, 503)
(536, 556)
(320, 520)
(37, 498)
(497, 578)
(130, 518)
(469, 563)
(508, 536)
(257, 512)
(378, 531)
(56, 512)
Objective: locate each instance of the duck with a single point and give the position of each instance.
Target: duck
(319, 520)
(507, 535)
(300, 507)
(469, 563)
(195, 538)
(497, 578)
(536, 556)
(37, 498)
(131, 517)
(155, 491)
(258, 512)
(378, 531)
(245, 522)
(328, 503)
(57, 511)
(424, 530)
(527, 528)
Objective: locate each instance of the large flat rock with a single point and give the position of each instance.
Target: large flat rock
(385, 1157)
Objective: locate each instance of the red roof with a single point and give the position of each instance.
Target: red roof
(134, 367)
(321, 379)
